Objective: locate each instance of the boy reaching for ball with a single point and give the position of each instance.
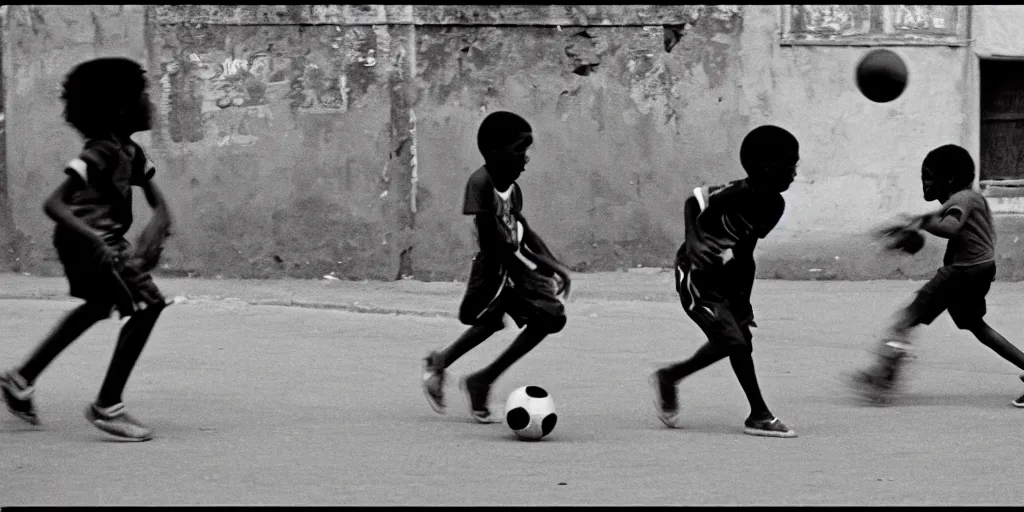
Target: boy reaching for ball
(513, 273)
(715, 271)
(959, 286)
(106, 102)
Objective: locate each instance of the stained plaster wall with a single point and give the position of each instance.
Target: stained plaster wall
(304, 140)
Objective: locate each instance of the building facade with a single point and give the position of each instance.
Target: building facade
(307, 140)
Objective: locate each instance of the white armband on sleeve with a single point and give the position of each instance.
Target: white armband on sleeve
(80, 167)
(702, 199)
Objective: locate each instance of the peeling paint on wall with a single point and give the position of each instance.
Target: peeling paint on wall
(266, 124)
(10, 238)
(350, 129)
(231, 85)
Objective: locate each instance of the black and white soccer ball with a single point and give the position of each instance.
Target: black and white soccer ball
(530, 413)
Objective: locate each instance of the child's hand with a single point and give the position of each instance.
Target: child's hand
(564, 282)
(908, 221)
(150, 244)
(106, 256)
(902, 234)
(901, 222)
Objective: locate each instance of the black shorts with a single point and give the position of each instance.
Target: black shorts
(122, 286)
(493, 291)
(725, 318)
(960, 290)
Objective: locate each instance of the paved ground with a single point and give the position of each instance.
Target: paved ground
(257, 401)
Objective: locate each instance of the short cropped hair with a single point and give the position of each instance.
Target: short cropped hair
(768, 145)
(500, 129)
(951, 164)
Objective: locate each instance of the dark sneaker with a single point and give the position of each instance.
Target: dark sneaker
(118, 423)
(880, 383)
(17, 394)
(770, 427)
(1020, 401)
(871, 388)
(477, 397)
(433, 381)
(666, 399)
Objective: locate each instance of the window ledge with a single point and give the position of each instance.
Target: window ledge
(1005, 197)
(859, 42)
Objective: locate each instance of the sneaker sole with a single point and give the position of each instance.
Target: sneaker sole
(768, 433)
(469, 406)
(1019, 405)
(670, 420)
(438, 408)
(31, 419)
(89, 415)
(866, 395)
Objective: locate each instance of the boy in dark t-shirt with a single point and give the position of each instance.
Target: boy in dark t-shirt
(959, 286)
(106, 101)
(715, 271)
(513, 273)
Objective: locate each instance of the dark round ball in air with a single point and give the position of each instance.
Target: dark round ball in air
(881, 76)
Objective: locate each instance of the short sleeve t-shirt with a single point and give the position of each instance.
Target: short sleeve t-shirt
(975, 242)
(483, 197)
(107, 169)
(736, 216)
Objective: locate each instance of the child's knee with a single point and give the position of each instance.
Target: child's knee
(739, 347)
(970, 324)
(466, 316)
(550, 324)
(153, 309)
(149, 313)
(488, 322)
(470, 313)
(731, 344)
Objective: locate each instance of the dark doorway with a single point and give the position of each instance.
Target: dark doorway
(1002, 121)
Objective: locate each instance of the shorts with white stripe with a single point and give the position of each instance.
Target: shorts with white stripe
(716, 315)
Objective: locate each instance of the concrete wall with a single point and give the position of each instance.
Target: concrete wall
(342, 145)
(275, 143)
(40, 45)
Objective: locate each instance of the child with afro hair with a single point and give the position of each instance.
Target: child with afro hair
(106, 101)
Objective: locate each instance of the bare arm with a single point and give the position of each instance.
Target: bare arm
(156, 200)
(542, 255)
(56, 208)
(704, 252)
(533, 247)
(690, 211)
(945, 224)
(535, 243)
